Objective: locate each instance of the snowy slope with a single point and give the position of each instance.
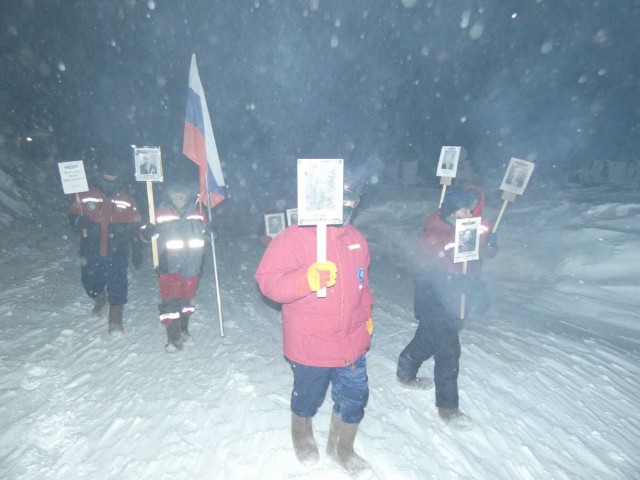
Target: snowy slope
(549, 374)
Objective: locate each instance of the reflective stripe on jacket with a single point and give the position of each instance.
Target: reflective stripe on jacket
(114, 221)
(436, 245)
(180, 241)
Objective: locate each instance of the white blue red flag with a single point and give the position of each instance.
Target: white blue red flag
(198, 144)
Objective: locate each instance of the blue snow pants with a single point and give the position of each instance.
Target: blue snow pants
(349, 389)
(99, 273)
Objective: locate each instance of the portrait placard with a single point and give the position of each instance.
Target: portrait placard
(273, 224)
(448, 161)
(73, 176)
(292, 216)
(320, 191)
(467, 246)
(517, 176)
(148, 164)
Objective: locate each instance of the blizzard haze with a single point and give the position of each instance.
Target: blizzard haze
(549, 375)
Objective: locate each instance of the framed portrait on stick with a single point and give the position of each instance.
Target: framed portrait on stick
(448, 161)
(292, 216)
(516, 178)
(273, 224)
(148, 168)
(447, 169)
(320, 183)
(467, 248)
(320, 191)
(148, 164)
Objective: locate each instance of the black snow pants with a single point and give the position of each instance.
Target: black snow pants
(437, 337)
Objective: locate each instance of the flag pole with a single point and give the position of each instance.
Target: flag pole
(213, 252)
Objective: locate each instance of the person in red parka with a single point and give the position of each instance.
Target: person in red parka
(439, 285)
(108, 219)
(325, 339)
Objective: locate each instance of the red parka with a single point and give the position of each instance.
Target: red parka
(320, 332)
(113, 222)
(436, 245)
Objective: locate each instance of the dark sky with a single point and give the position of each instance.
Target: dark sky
(374, 82)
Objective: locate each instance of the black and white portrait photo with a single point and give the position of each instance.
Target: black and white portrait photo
(320, 191)
(448, 161)
(148, 164)
(517, 176)
(274, 224)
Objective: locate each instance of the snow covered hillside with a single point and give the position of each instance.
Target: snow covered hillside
(549, 375)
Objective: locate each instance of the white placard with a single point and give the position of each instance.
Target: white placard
(74, 178)
(467, 239)
(517, 176)
(320, 191)
(448, 161)
(273, 223)
(148, 164)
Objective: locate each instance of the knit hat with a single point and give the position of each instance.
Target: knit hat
(454, 200)
(110, 161)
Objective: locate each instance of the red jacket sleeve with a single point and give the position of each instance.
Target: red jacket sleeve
(282, 273)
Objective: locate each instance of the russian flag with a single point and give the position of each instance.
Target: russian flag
(198, 143)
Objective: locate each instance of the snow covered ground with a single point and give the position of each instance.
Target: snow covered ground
(549, 375)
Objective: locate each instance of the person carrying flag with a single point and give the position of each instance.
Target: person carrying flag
(199, 146)
(180, 232)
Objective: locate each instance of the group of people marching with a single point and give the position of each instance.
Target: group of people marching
(112, 235)
(325, 338)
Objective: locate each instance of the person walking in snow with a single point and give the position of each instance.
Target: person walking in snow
(439, 284)
(180, 230)
(108, 220)
(325, 339)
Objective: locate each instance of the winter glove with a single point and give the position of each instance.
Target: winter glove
(370, 325)
(81, 223)
(492, 239)
(148, 231)
(207, 231)
(321, 274)
(136, 255)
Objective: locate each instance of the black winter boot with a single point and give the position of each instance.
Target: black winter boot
(174, 342)
(184, 326)
(99, 302)
(115, 319)
(340, 449)
(303, 442)
(417, 383)
(455, 418)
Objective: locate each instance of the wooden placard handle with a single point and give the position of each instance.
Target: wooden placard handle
(507, 197)
(84, 230)
(463, 296)
(152, 219)
(321, 251)
(444, 181)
